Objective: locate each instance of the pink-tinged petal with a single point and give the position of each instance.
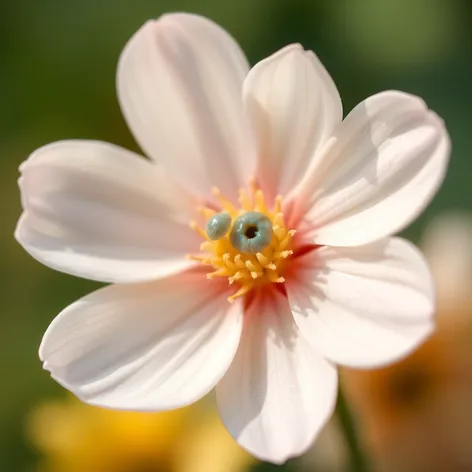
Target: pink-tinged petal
(377, 172)
(153, 346)
(98, 211)
(293, 106)
(279, 392)
(365, 306)
(179, 84)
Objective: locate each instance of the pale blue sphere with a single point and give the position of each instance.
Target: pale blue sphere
(251, 233)
(218, 225)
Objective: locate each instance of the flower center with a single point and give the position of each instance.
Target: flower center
(248, 244)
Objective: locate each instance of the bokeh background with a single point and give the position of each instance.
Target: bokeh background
(57, 74)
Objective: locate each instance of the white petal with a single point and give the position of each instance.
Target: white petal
(153, 346)
(98, 211)
(179, 84)
(364, 306)
(377, 173)
(278, 392)
(293, 106)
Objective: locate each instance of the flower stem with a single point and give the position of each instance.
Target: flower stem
(357, 459)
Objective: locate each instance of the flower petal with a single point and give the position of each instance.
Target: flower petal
(293, 106)
(152, 346)
(364, 306)
(98, 211)
(377, 173)
(278, 392)
(179, 84)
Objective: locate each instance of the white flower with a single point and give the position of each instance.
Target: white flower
(330, 287)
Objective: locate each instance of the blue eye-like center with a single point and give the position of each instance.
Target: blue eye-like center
(218, 225)
(251, 232)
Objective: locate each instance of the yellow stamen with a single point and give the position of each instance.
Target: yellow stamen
(225, 203)
(228, 262)
(285, 254)
(237, 276)
(279, 232)
(251, 266)
(206, 212)
(238, 261)
(198, 230)
(286, 241)
(219, 273)
(274, 278)
(199, 258)
(260, 205)
(278, 204)
(242, 291)
(244, 200)
(279, 220)
(247, 270)
(207, 246)
(263, 260)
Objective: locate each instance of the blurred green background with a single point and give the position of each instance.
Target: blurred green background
(57, 81)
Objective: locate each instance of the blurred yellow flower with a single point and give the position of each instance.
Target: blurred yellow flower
(417, 415)
(74, 437)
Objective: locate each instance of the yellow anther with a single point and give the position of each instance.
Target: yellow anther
(278, 204)
(198, 230)
(198, 258)
(279, 220)
(228, 262)
(251, 266)
(225, 203)
(244, 200)
(206, 212)
(237, 276)
(263, 260)
(279, 232)
(274, 277)
(238, 261)
(242, 291)
(223, 272)
(219, 247)
(285, 242)
(260, 205)
(207, 246)
(218, 262)
(256, 275)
